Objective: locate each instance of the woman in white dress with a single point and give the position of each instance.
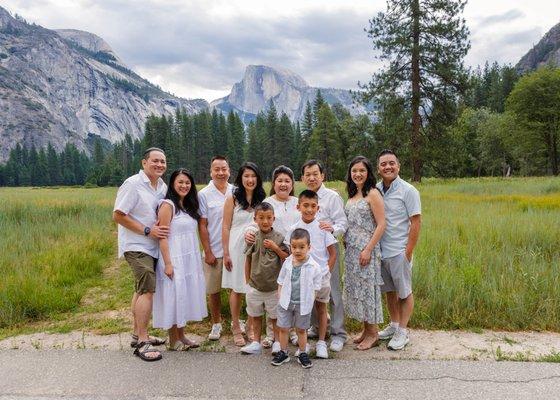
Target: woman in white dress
(238, 214)
(180, 294)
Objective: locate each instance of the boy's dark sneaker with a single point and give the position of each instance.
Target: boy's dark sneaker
(280, 358)
(304, 360)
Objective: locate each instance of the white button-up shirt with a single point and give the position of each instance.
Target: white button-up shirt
(320, 240)
(310, 281)
(331, 210)
(139, 200)
(401, 201)
(211, 205)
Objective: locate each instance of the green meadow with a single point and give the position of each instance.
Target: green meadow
(488, 256)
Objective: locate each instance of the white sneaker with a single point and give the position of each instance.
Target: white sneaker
(387, 333)
(312, 333)
(293, 338)
(399, 340)
(276, 348)
(337, 344)
(296, 354)
(321, 349)
(252, 348)
(216, 332)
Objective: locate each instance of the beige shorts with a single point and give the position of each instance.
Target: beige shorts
(324, 295)
(213, 276)
(258, 302)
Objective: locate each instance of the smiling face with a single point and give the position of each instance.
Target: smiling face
(182, 185)
(313, 178)
(219, 172)
(283, 186)
(249, 179)
(300, 248)
(388, 167)
(154, 165)
(264, 219)
(308, 209)
(359, 174)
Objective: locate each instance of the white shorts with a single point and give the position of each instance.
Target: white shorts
(258, 302)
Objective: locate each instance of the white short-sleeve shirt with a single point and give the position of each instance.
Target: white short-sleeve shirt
(401, 201)
(320, 240)
(211, 203)
(285, 213)
(138, 199)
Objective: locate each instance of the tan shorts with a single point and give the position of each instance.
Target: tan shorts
(144, 269)
(324, 295)
(258, 302)
(213, 276)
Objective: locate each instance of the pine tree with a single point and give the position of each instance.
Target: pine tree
(323, 144)
(284, 141)
(424, 44)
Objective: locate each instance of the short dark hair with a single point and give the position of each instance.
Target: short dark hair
(300, 233)
(264, 206)
(308, 194)
(282, 169)
(219, 157)
(384, 152)
(310, 163)
(147, 152)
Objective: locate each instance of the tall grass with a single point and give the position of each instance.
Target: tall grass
(488, 256)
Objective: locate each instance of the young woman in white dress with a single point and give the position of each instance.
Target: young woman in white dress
(238, 214)
(180, 294)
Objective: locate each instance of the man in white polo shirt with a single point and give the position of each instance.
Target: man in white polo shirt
(331, 218)
(211, 200)
(139, 234)
(403, 217)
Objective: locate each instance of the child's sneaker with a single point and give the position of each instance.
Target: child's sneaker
(321, 349)
(312, 333)
(388, 332)
(252, 348)
(304, 360)
(276, 348)
(280, 358)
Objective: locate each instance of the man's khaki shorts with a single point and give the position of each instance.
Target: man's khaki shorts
(213, 276)
(144, 269)
(323, 295)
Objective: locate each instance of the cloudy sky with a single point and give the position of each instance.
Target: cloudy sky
(199, 48)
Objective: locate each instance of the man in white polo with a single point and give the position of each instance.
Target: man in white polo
(403, 217)
(139, 234)
(331, 218)
(211, 200)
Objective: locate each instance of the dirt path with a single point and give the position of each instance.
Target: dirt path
(424, 345)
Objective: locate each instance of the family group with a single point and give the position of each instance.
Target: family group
(282, 252)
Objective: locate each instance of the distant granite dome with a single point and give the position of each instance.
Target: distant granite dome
(69, 86)
(546, 52)
(288, 91)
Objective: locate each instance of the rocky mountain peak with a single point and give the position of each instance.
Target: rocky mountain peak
(546, 51)
(87, 40)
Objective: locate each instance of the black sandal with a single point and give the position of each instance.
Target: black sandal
(143, 349)
(154, 341)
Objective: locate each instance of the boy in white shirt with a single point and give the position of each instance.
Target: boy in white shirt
(298, 281)
(323, 252)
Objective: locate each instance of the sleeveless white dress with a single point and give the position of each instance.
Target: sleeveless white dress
(235, 279)
(183, 298)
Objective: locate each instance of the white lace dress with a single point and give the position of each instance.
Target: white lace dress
(183, 298)
(235, 279)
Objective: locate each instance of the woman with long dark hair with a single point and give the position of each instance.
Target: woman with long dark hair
(366, 224)
(238, 214)
(180, 294)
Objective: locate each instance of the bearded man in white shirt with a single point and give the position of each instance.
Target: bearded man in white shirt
(331, 218)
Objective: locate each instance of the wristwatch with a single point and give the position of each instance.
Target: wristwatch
(147, 231)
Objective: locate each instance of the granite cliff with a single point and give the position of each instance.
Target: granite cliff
(545, 52)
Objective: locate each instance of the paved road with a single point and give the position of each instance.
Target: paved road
(95, 374)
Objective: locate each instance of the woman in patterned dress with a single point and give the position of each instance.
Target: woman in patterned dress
(366, 224)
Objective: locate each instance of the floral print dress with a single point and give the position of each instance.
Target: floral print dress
(362, 292)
